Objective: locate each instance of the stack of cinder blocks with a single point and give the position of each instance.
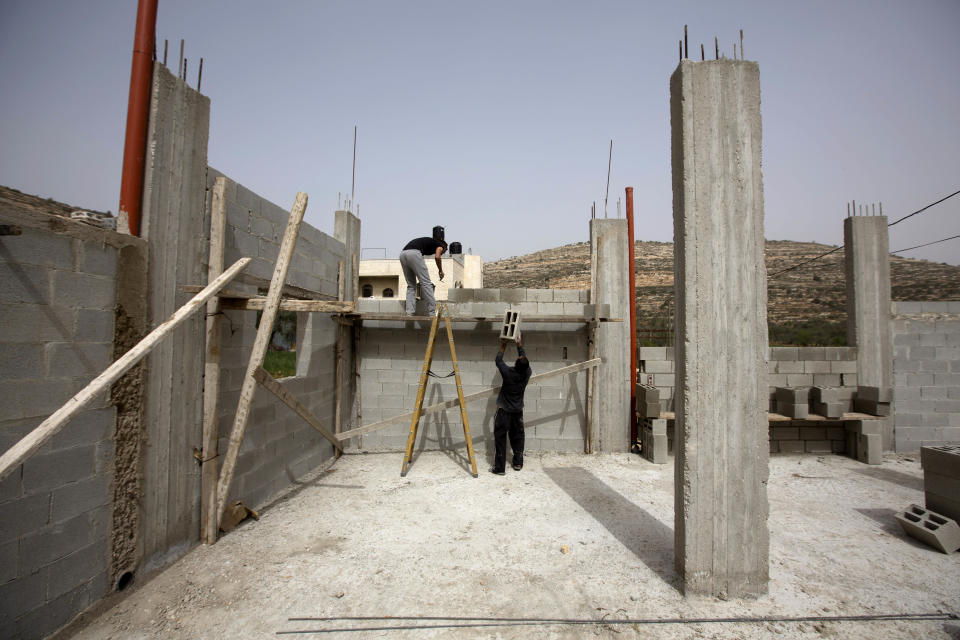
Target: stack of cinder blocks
(831, 402)
(793, 402)
(648, 401)
(874, 401)
(511, 326)
(654, 444)
(864, 440)
(941, 479)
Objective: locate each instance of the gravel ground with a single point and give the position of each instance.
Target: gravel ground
(584, 538)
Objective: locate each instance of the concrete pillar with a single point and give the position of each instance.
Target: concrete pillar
(177, 231)
(721, 442)
(610, 285)
(346, 229)
(867, 256)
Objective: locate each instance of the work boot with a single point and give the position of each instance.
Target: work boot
(499, 472)
(517, 463)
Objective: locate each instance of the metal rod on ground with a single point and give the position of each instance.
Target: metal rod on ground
(260, 344)
(632, 297)
(49, 427)
(211, 369)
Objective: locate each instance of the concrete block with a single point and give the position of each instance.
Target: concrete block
(864, 426)
(799, 380)
(540, 295)
(44, 472)
(781, 354)
(870, 448)
(652, 353)
(510, 330)
(55, 541)
(486, 295)
(22, 361)
(566, 295)
(827, 379)
(824, 394)
(796, 411)
(784, 433)
(942, 485)
(549, 308)
(811, 353)
(77, 359)
(931, 528)
(83, 290)
(789, 366)
(653, 446)
(831, 410)
(79, 497)
(818, 446)
(97, 259)
(934, 306)
(813, 433)
(513, 295)
(876, 394)
(656, 366)
(791, 446)
(945, 505)
(871, 407)
(20, 596)
(941, 459)
(848, 379)
(76, 569)
(24, 515)
(816, 366)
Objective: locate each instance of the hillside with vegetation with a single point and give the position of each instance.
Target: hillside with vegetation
(806, 305)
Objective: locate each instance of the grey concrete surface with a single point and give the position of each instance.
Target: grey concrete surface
(610, 284)
(721, 535)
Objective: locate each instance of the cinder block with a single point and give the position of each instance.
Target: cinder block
(784, 433)
(43, 472)
(816, 366)
(799, 380)
(646, 393)
(653, 446)
(566, 295)
(796, 411)
(513, 296)
(653, 353)
(931, 528)
(789, 366)
(818, 446)
(811, 353)
(941, 459)
(832, 410)
(783, 353)
(947, 505)
(510, 330)
(864, 426)
(871, 407)
(648, 409)
(813, 433)
(791, 446)
(540, 295)
(870, 448)
(876, 394)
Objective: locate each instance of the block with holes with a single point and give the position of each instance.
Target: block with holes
(938, 531)
(648, 401)
(654, 443)
(511, 326)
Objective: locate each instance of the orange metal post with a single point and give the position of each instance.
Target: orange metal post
(138, 110)
(633, 321)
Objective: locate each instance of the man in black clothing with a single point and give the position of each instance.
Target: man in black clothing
(415, 268)
(509, 418)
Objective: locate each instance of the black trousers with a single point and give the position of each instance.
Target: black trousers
(507, 423)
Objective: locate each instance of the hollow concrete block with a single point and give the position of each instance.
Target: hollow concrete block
(931, 528)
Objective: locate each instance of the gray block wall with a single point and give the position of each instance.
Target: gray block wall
(57, 296)
(926, 373)
(391, 360)
(279, 446)
(721, 538)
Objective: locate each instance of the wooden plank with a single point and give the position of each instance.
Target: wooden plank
(49, 427)
(267, 382)
(260, 344)
(487, 393)
(495, 319)
(288, 290)
(812, 417)
(258, 304)
(211, 369)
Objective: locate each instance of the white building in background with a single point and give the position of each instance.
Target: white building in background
(384, 278)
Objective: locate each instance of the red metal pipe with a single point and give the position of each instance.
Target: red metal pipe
(138, 110)
(633, 321)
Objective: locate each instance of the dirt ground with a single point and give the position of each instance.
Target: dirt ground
(439, 554)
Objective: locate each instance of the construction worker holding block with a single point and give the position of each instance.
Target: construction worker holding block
(509, 417)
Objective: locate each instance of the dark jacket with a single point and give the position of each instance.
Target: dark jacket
(426, 246)
(514, 384)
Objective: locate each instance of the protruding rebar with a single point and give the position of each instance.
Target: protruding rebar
(716, 47)
(180, 64)
(702, 57)
(165, 43)
(686, 53)
(200, 75)
(741, 44)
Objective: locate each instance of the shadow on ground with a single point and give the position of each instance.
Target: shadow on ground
(648, 538)
(893, 477)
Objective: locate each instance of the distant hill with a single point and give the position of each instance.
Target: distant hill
(805, 305)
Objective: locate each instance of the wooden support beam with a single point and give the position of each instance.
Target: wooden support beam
(487, 393)
(267, 382)
(49, 427)
(264, 331)
(494, 319)
(288, 290)
(317, 306)
(211, 370)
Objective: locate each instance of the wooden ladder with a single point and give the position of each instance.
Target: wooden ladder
(422, 391)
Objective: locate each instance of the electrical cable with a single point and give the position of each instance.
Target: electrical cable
(796, 266)
(925, 208)
(800, 264)
(926, 245)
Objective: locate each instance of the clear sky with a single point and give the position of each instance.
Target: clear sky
(494, 118)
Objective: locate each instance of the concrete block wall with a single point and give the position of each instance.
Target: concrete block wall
(926, 373)
(57, 296)
(278, 445)
(786, 367)
(391, 360)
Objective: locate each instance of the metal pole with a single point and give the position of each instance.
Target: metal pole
(353, 178)
(607, 197)
(632, 297)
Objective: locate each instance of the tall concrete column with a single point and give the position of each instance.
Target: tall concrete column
(610, 285)
(346, 229)
(722, 450)
(867, 255)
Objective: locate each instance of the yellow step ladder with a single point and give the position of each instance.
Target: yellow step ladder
(422, 391)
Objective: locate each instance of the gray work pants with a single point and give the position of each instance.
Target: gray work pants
(415, 268)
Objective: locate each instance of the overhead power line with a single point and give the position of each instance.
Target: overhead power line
(800, 264)
(924, 209)
(822, 255)
(927, 244)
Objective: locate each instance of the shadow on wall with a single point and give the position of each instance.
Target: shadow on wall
(648, 538)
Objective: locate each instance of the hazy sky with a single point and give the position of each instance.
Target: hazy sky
(494, 118)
